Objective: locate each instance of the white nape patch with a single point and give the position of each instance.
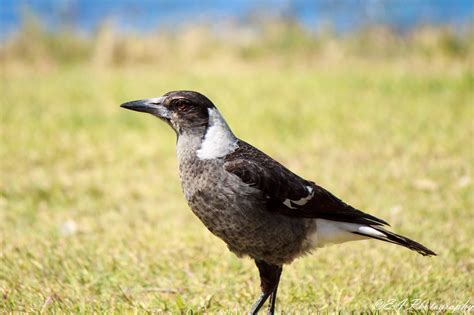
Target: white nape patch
(219, 139)
(302, 201)
(334, 232)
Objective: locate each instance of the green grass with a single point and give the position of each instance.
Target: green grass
(392, 138)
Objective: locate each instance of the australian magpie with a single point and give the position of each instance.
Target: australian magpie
(253, 203)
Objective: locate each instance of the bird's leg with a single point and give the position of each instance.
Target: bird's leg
(259, 303)
(269, 279)
(273, 296)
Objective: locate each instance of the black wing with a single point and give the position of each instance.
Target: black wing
(288, 194)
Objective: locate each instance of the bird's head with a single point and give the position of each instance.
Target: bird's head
(182, 110)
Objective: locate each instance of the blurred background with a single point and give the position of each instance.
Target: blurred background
(48, 33)
(371, 99)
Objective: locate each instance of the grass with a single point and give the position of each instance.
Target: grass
(92, 218)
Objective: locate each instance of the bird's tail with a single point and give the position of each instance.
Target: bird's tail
(391, 237)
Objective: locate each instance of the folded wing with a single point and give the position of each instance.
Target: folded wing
(288, 194)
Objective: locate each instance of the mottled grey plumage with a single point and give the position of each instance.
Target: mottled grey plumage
(235, 211)
(252, 202)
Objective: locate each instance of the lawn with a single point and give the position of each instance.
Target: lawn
(92, 217)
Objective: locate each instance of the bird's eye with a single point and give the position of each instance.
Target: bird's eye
(181, 104)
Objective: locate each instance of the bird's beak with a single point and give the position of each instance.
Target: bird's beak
(152, 106)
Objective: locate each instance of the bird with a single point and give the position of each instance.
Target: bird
(257, 206)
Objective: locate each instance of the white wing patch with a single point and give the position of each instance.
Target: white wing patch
(367, 230)
(329, 232)
(301, 202)
(219, 139)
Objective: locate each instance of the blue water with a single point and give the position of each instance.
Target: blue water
(148, 15)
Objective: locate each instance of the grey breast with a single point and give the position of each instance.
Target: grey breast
(235, 212)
